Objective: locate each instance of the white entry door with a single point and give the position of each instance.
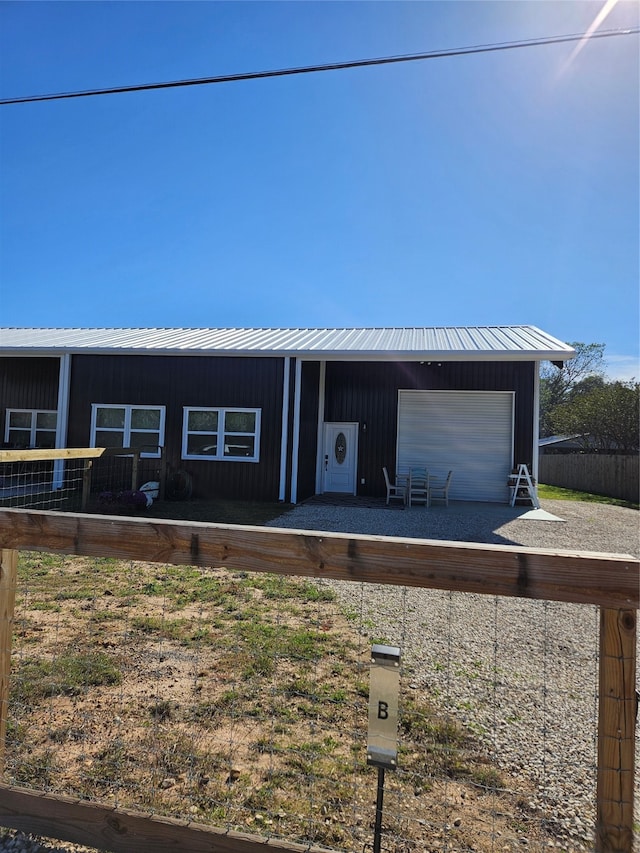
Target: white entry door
(340, 458)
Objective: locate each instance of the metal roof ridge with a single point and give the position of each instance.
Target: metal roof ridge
(267, 328)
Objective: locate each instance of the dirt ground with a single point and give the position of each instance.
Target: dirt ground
(239, 701)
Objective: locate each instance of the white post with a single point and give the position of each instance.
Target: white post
(536, 422)
(64, 381)
(296, 431)
(320, 433)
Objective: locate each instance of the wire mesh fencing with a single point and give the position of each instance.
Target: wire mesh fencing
(38, 484)
(240, 700)
(78, 480)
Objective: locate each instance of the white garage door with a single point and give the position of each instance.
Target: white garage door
(468, 432)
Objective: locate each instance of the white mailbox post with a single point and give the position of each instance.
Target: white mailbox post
(382, 744)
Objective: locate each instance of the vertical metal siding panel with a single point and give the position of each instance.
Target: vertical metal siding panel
(524, 426)
(292, 386)
(27, 383)
(308, 430)
(250, 382)
(178, 381)
(366, 393)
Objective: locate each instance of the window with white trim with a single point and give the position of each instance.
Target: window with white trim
(140, 427)
(221, 434)
(31, 428)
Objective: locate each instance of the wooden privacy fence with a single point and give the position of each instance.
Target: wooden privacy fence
(611, 582)
(599, 473)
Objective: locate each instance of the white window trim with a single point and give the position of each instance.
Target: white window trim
(126, 429)
(222, 411)
(33, 429)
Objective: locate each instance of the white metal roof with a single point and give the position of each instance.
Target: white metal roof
(461, 343)
(557, 439)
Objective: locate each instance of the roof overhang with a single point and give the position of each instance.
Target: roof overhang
(429, 344)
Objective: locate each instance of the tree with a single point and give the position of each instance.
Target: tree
(560, 385)
(606, 417)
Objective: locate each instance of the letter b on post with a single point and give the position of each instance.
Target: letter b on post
(382, 745)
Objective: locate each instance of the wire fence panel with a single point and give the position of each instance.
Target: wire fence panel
(107, 481)
(37, 486)
(520, 679)
(240, 700)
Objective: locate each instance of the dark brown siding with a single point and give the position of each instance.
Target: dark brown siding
(27, 383)
(368, 393)
(178, 381)
(308, 430)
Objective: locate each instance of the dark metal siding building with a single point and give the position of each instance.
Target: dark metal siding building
(282, 414)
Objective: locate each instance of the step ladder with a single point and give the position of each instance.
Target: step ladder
(521, 486)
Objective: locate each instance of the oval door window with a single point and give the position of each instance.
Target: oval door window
(340, 448)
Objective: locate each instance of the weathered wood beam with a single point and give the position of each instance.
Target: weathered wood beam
(65, 453)
(8, 580)
(581, 577)
(616, 731)
(125, 831)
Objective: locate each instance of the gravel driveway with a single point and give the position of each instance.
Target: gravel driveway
(522, 675)
(584, 526)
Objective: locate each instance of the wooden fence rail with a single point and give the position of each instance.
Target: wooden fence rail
(610, 581)
(123, 830)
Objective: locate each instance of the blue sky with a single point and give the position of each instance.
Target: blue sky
(497, 188)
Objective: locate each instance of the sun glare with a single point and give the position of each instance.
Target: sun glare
(599, 18)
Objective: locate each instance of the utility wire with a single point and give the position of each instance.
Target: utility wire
(312, 69)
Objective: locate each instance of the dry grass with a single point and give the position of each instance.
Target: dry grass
(234, 698)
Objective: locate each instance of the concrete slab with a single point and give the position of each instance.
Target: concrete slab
(538, 515)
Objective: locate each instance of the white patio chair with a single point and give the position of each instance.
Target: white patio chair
(439, 491)
(418, 486)
(395, 491)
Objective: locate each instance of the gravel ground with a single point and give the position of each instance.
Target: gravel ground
(587, 526)
(521, 674)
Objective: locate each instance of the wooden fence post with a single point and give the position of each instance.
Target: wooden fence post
(162, 474)
(135, 464)
(86, 483)
(8, 581)
(616, 731)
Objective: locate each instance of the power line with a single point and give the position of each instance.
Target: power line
(312, 69)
